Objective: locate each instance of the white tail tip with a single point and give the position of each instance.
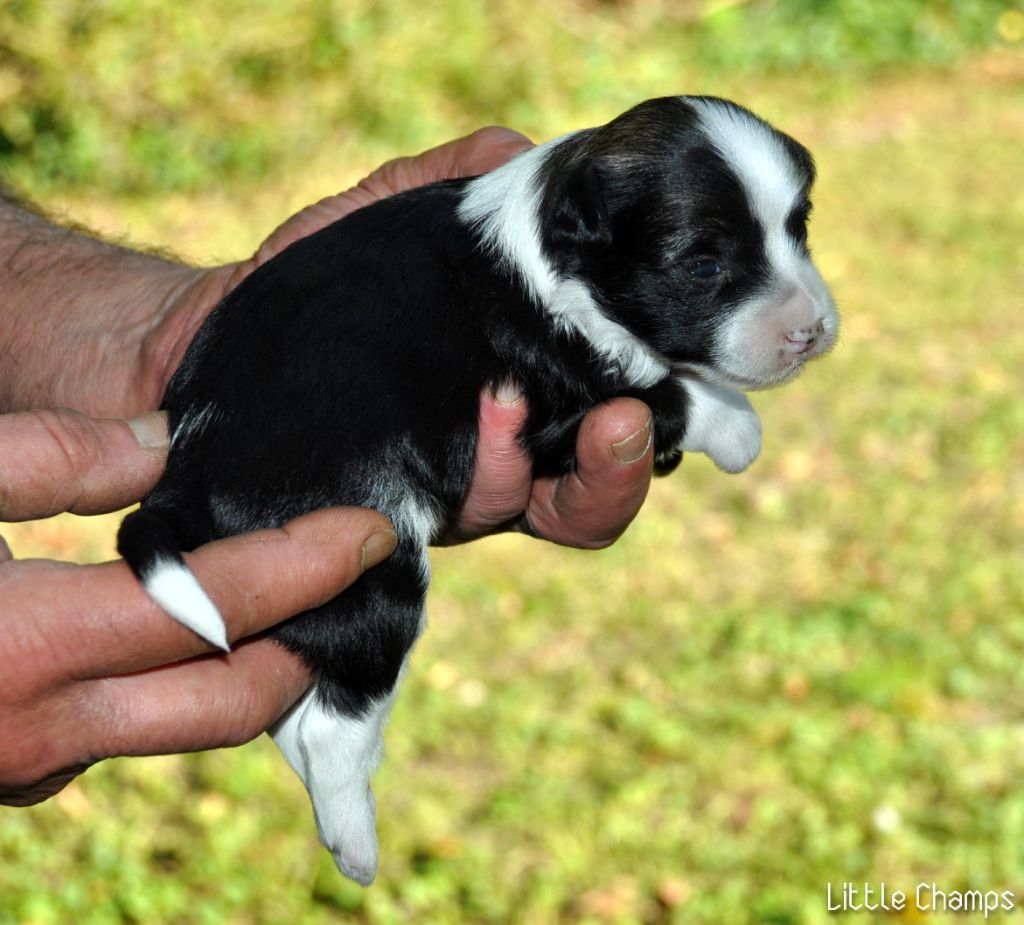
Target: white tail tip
(176, 590)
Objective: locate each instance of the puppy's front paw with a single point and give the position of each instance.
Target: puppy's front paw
(723, 425)
(736, 443)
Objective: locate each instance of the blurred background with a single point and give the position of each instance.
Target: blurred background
(807, 674)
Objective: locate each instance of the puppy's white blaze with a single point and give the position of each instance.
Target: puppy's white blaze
(757, 156)
(176, 590)
(335, 756)
(504, 207)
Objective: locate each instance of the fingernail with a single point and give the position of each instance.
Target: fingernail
(378, 547)
(634, 446)
(150, 430)
(508, 393)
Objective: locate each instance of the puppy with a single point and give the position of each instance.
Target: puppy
(662, 256)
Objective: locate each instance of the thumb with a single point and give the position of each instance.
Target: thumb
(61, 460)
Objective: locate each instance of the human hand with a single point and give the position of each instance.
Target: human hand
(91, 667)
(589, 507)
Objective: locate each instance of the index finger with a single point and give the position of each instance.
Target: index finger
(99, 621)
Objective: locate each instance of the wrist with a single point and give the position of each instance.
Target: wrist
(92, 325)
(181, 309)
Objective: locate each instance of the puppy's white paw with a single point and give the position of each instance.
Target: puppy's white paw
(737, 443)
(361, 868)
(348, 830)
(723, 425)
(335, 755)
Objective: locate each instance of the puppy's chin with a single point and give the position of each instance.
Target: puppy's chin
(753, 377)
(765, 380)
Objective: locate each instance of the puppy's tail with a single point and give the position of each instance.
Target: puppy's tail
(148, 544)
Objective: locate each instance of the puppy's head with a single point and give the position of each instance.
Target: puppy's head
(686, 219)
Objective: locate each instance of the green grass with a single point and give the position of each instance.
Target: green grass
(809, 673)
(143, 95)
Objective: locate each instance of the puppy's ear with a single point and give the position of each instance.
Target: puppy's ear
(579, 217)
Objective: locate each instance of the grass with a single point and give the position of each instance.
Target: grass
(140, 95)
(806, 674)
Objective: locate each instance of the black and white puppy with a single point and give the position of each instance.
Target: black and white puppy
(662, 256)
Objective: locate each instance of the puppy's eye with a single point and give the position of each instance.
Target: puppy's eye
(704, 268)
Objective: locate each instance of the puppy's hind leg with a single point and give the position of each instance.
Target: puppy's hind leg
(333, 737)
(336, 755)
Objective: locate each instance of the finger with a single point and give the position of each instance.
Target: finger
(591, 506)
(500, 486)
(61, 460)
(487, 149)
(98, 620)
(36, 790)
(479, 152)
(207, 702)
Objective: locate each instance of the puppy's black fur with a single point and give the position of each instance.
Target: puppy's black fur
(348, 370)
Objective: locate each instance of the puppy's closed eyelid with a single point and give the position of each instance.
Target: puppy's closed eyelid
(709, 248)
(802, 211)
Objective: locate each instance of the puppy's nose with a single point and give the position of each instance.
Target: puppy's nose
(804, 339)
